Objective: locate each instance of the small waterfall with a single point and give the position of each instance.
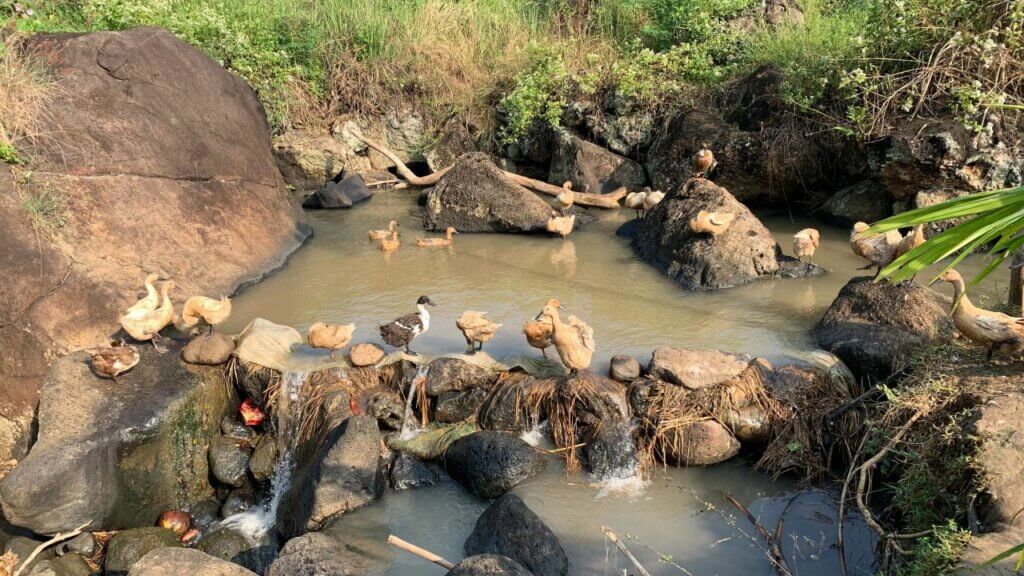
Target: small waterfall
(535, 435)
(411, 424)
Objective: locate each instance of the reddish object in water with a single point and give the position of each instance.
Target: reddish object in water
(190, 535)
(354, 407)
(251, 413)
(177, 521)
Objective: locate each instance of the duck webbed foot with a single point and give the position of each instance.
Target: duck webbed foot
(160, 348)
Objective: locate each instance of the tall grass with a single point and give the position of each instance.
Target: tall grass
(24, 90)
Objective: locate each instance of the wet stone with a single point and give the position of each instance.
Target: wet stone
(264, 458)
(224, 544)
(409, 472)
(84, 544)
(489, 464)
(229, 460)
(238, 501)
(128, 546)
(624, 369)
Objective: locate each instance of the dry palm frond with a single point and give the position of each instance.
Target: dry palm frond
(7, 563)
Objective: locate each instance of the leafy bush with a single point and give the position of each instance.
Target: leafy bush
(538, 94)
(937, 552)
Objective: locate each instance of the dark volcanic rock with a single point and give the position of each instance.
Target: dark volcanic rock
(865, 201)
(476, 196)
(118, 460)
(224, 544)
(345, 194)
(229, 459)
(321, 554)
(448, 374)
(488, 464)
(876, 327)
(129, 546)
(84, 544)
(591, 168)
(508, 527)
(504, 410)
(264, 458)
(610, 452)
(185, 561)
(22, 547)
(488, 565)
(459, 405)
(410, 472)
(387, 408)
(209, 349)
(238, 500)
(757, 97)
(624, 369)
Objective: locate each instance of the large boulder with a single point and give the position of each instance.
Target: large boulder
(126, 548)
(345, 193)
(175, 561)
(866, 201)
(154, 151)
(488, 464)
(340, 551)
(476, 196)
(117, 455)
(488, 565)
(875, 328)
(591, 168)
(452, 374)
(508, 527)
(695, 369)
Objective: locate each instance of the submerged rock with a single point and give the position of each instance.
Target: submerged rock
(344, 194)
(476, 196)
(508, 527)
(590, 167)
(209, 349)
(488, 565)
(610, 452)
(488, 464)
(695, 369)
(229, 460)
(129, 546)
(875, 328)
(185, 561)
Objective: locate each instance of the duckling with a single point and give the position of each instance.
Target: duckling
(912, 240)
(401, 331)
(879, 250)
(388, 245)
(652, 199)
(635, 201)
(145, 325)
(703, 162)
(805, 242)
(574, 341)
(152, 298)
(561, 225)
(476, 328)
(202, 310)
(114, 360)
(382, 234)
(438, 242)
(998, 332)
(538, 334)
(565, 198)
(713, 223)
(331, 337)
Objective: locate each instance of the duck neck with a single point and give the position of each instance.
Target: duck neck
(164, 293)
(960, 299)
(556, 322)
(424, 315)
(151, 291)
(448, 235)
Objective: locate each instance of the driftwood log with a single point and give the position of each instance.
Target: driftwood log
(610, 200)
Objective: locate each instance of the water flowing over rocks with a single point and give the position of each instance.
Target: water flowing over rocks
(590, 167)
(610, 451)
(456, 406)
(875, 328)
(508, 527)
(118, 460)
(488, 464)
(175, 561)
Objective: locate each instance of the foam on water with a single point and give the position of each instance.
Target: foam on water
(622, 482)
(534, 436)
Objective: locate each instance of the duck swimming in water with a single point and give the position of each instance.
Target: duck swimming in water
(382, 234)
(401, 331)
(389, 245)
(438, 242)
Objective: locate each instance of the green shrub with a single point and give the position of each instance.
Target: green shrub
(9, 155)
(538, 94)
(937, 552)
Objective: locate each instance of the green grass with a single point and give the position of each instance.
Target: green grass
(9, 155)
(936, 553)
(46, 208)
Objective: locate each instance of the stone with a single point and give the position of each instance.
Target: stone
(324, 554)
(695, 369)
(84, 544)
(476, 196)
(224, 544)
(488, 565)
(388, 409)
(345, 193)
(117, 460)
(875, 328)
(178, 561)
(365, 354)
(1000, 455)
(746, 251)
(264, 458)
(866, 201)
(702, 443)
(129, 546)
(457, 138)
(508, 527)
(211, 349)
(590, 167)
(624, 369)
(488, 464)
(67, 565)
(345, 474)
(504, 410)
(238, 500)
(309, 158)
(232, 427)
(459, 405)
(931, 197)
(185, 156)
(757, 98)
(410, 472)
(22, 547)
(610, 452)
(448, 374)
(229, 460)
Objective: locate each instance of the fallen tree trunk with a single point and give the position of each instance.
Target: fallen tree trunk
(610, 200)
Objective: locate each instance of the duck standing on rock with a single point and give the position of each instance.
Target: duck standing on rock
(713, 223)
(703, 162)
(114, 360)
(561, 225)
(401, 331)
(152, 298)
(438, 242)
(476, 328)
(538, 334)
(144, 325)
(879, 250)
(805, 243)
(566, 198)
(382, 234)
(204, 311)
(635, 201)
(912, 240)
(574, 340)
(999, 333)
(331, 337)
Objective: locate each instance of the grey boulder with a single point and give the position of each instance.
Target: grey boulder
(508, 527)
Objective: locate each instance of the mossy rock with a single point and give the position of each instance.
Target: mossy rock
(128, 547)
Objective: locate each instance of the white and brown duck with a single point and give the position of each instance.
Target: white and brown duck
(400, 332)
(113, 360)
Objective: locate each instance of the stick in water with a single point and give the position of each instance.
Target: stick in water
(414, 549)
(611, 535)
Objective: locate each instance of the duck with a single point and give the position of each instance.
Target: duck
(382, 234)
(565, 198)
(574, 341)
(805, 242)
(703, 162)
(113, 360)
(652, 199)
(203, 310)
(143, 325)
(438, 242)
(331, 337)
(400, 332)
(388, 245)
(879, 250)
(152, 298)
(635, 201)
(912, 240)
(713, 223)
(538, 334)
(999, 333)
(476, 328)
(561, 225)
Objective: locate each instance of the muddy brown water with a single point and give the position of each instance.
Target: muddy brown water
(339, 277)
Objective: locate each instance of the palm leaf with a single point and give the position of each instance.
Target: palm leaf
(1018, 549)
